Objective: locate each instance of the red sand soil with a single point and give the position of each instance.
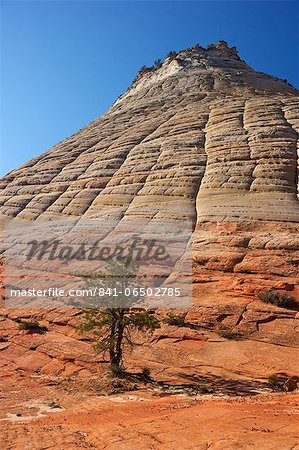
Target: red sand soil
(36, 414)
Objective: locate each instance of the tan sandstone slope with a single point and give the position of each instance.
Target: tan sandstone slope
(202, 136)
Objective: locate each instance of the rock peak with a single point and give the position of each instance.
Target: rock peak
(223, 47)
(197, 52)
(216, 67)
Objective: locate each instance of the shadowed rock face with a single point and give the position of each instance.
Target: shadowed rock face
(204, 137)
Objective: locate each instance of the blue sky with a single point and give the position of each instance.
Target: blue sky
(65, 62)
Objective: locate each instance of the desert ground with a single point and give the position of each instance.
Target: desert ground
(206, 390)
(37, 414)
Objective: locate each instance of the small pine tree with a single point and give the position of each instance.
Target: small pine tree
(157, 63)
(144, 69)
(171, 55)
(112, 325)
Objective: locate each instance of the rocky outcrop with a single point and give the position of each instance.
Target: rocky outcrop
(225, 337)
(203, 126)
(202, 137)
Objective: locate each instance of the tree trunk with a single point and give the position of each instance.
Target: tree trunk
(119, 337)
(112, 353)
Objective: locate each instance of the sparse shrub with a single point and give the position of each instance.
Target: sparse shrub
(144, 69)
(31, 325)
(54, 405)
(273, 297)
(157, 63)
(146, 372)
(173, 319)
(273, 380)
(228, 334)
(171, 55)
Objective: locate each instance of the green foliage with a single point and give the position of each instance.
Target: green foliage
(112, 328)
(173, 319)
(273, 297)
(228, 334)
(144, 69)
(157, 63)
(31, 325)
(273, 380)
(171, 55)
(142, 320)
(113, 322)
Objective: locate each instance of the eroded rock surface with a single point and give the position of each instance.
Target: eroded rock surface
(203, 138)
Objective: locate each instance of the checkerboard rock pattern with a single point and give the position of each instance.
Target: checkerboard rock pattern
(202, 136)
